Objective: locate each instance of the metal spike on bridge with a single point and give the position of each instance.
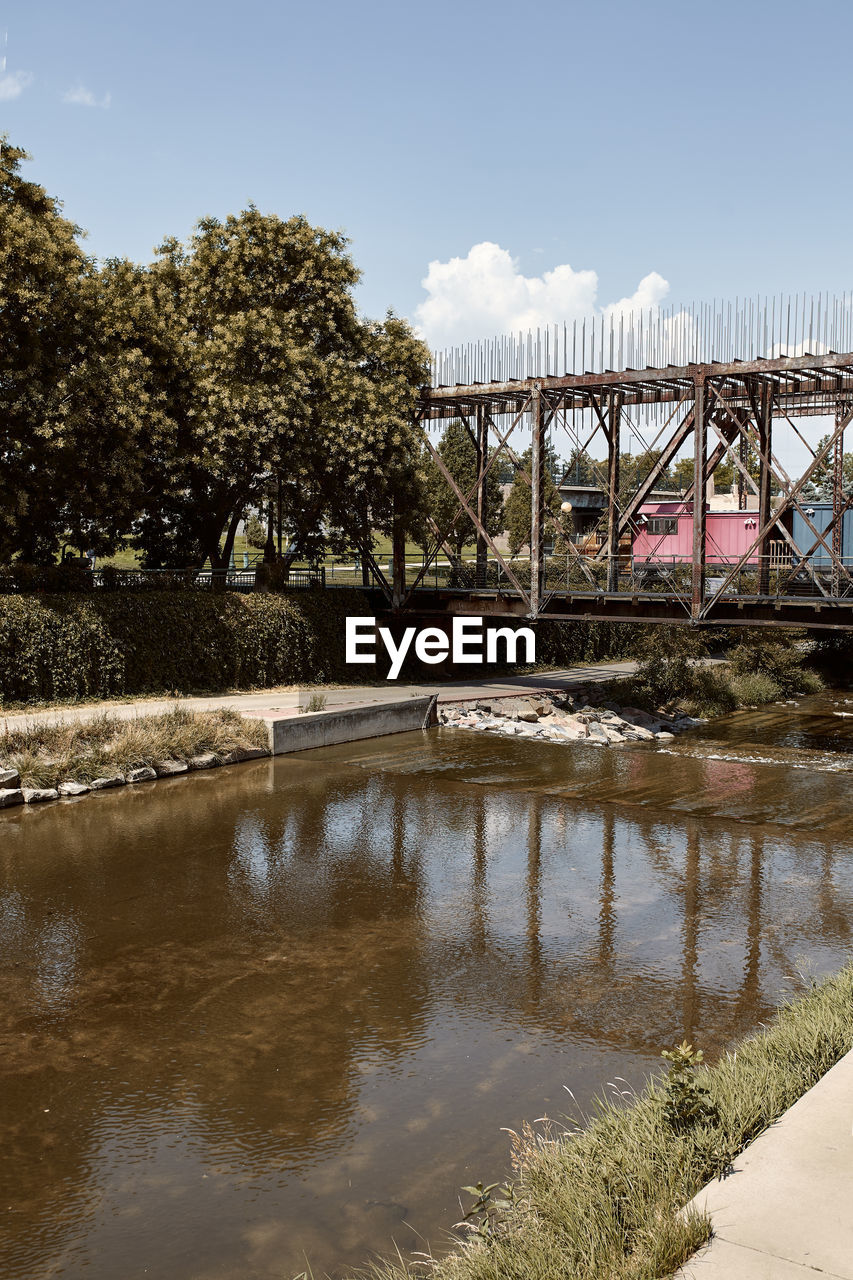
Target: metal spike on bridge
(620, 338)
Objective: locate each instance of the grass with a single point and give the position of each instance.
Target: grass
(606, 1201)
(47, 754)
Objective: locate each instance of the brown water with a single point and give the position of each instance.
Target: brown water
(282, 1012)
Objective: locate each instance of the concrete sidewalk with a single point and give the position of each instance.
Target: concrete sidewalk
(786, 1213)
(287, 701)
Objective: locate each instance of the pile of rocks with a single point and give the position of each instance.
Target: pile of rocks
(12, 793)
(560, 717)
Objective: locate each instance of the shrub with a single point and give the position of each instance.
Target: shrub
(779, 656)
(103, 644)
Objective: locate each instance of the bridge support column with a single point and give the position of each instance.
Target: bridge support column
(838, 498)
(700, 449)
(613, 445)
(765, 448)
(398, 562)
(537, 501)
(482, 497)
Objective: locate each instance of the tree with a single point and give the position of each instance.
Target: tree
(458, 452)
(71, 409)
(519, 505)
(822, 483)
(286, 381)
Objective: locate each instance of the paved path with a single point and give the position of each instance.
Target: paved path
(786, 1213)
(287, 701)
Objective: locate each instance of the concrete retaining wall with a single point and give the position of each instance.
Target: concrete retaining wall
(329, 728)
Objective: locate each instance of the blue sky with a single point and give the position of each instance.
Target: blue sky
(708, 145)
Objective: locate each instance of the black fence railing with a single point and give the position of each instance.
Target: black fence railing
(27, 579)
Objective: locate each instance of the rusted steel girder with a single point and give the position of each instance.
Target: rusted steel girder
(700, 449)
(613, 444)
(740, 419)
(672, 378)
(790, 501)
(537, 501)
(765, 448)
(482, 437)
(837, 502)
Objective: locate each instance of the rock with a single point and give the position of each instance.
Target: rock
(613, 735)
(167, 768)
(244, 753)
(10, 796)
(636, 733)
(205, 761)
(73, 788)
(664, 736)
(37, 795)
(10, 779)
(144, 773)
(102, 784)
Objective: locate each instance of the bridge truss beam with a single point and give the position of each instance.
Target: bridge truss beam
(742, 410)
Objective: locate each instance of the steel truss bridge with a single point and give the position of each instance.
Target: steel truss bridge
(715, 411)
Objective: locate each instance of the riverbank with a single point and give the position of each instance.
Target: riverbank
(611, 1197)
(43, 761)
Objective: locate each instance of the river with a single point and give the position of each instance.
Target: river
(276, 1015)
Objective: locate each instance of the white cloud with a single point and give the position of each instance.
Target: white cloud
(650, 292)
(485, 294)
(13, 83)
(80, 96)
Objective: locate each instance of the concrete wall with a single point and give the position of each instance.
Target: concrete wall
(329, 728)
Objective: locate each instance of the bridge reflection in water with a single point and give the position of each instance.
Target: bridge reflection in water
(286, 1009)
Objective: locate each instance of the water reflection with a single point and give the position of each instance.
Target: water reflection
(286, 1010)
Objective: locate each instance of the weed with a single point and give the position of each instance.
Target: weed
(317, 702)
(609, 1199)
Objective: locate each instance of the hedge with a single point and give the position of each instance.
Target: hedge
(72, 646)
(69, 646)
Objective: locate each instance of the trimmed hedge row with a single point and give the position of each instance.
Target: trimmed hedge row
(565, 643)
(65, 647)
(62, 647)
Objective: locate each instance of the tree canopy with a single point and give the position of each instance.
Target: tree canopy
(159, 401)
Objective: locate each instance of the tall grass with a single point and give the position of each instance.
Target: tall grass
(47, 754)
(606, 1202)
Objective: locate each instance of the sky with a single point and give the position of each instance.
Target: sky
(494, 165)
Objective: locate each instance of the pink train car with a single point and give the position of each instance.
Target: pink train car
(664, 532)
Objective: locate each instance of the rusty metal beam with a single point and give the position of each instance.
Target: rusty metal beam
(537, 501)
(789, 502)
(614, 417)
(700, 449)
(738, 370)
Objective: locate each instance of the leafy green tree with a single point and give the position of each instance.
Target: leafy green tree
(822, 483)
(519, 506)
(580, 469)
(459, 454)
(286, 381)
(72, 414)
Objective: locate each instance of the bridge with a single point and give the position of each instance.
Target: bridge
(747, 409)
